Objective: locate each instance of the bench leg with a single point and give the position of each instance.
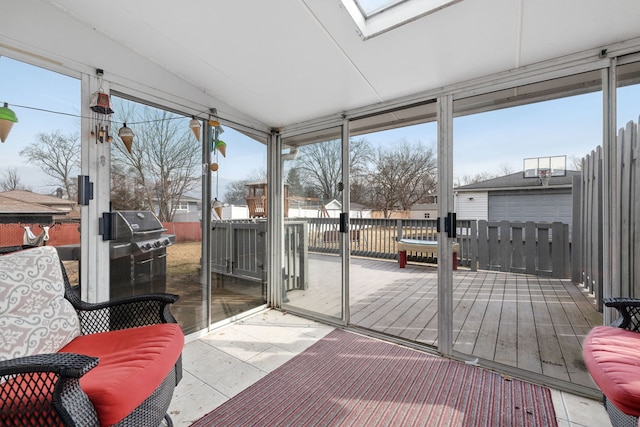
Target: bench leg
(402, 258)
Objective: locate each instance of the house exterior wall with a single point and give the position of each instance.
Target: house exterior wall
(424, 211)
(472, 205)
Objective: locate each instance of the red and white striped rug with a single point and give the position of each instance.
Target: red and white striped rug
(346, 379)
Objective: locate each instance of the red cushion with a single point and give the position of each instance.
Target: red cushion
(612, 356)
(133, 362)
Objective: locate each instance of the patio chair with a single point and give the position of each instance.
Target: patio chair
(114, 363)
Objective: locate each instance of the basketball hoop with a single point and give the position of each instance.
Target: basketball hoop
(543, 176)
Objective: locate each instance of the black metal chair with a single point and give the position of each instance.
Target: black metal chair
(48, 385)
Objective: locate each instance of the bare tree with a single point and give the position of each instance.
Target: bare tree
(472, 179)
(237, 190)
(126, 192)
(576, 162)
(319, 166)
(400, 176)
(164, 159)
(58, 156)
(505, 169)
(11, 180)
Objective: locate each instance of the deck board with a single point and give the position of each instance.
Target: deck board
(531, 322)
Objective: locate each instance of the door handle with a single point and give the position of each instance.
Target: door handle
(449, 225)
(344, 222)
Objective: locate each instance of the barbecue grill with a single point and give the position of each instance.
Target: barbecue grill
(138, 253)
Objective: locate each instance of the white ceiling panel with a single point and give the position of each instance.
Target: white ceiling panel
(281, 62)
(458, 43)
(555, 28)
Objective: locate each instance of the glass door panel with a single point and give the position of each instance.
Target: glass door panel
(517, 173)
(40, 162)
(238, 224)
(162, 173)
(394, 288)
(313, 259)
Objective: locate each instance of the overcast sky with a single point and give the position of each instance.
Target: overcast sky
(483, 142)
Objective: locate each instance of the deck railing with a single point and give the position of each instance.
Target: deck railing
(504, 246)
(239, 247)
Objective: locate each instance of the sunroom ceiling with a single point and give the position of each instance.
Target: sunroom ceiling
(281, 62)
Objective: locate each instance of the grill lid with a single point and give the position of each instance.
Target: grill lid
(138, 221)
(138, 232)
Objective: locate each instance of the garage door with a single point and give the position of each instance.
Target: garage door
(530, 207)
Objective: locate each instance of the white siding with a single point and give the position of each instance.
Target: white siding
(472, 205)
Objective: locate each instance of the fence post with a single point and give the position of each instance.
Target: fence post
(505, 246)
(557, 250)
(473, 246)
(483, 245)
(530, 247)
(576, 232)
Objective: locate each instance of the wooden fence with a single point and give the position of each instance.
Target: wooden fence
(622, 205)
(589, 256)
(59, 234)
(530, 248)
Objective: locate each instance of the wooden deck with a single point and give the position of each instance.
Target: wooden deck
(530, 322)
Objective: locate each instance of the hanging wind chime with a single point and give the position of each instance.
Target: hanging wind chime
(219, 146)
(100, 106)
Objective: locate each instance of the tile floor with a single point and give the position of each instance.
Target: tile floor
(219, 365)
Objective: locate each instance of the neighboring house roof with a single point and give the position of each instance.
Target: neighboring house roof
(186, 198)
(41, 199)
(518, 181)
(333, 204)
(12, 211)
(12, 206)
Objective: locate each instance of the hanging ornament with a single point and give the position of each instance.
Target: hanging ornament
(213, 167)
(194, 124)
(217, 207)
(221, 146)
(126, 135)
(7, 119)
(100, 103)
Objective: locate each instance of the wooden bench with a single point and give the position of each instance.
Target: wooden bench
(430, 247)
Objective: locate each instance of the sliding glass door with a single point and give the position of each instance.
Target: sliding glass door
(517, 166)
(393, 180)
(314, 224)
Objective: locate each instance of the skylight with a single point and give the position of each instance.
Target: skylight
(374, 17)
(369, 8)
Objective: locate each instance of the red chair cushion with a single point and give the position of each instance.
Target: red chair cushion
(132, 364)
(612, 356)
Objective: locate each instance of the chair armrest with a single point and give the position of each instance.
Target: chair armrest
(123, 313)
(45, 389)
(64, 364)
(628, 310)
